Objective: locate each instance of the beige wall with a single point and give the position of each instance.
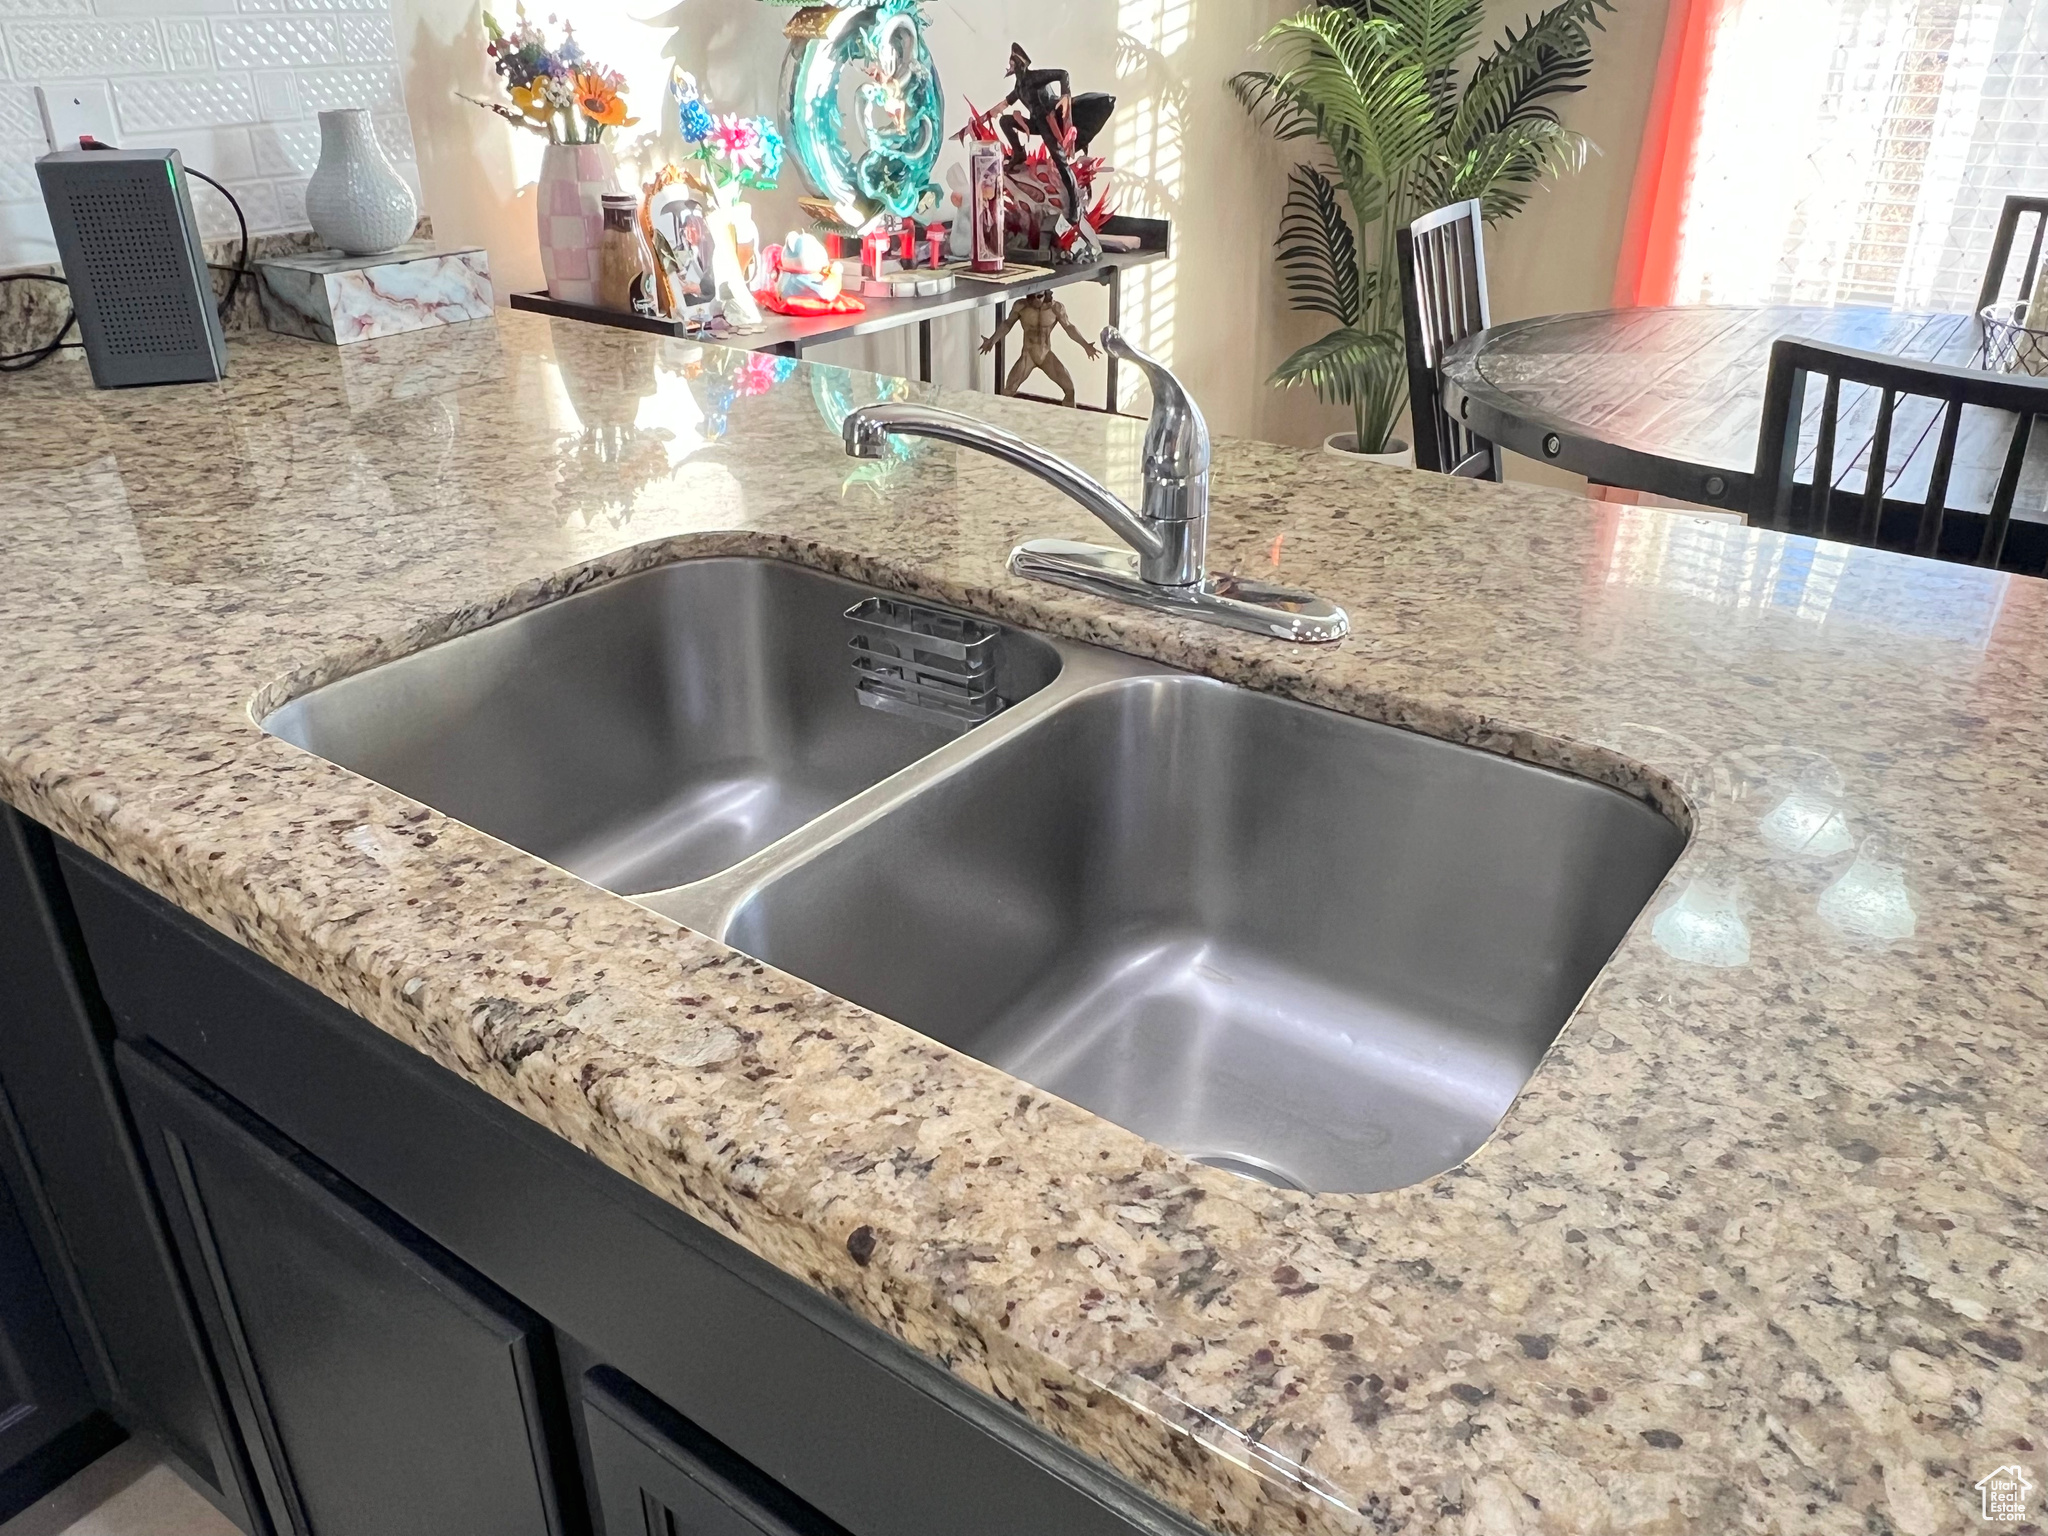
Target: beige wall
(1560, 254)
(1216, 311)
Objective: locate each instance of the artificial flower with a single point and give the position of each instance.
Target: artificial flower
(694, 120)
(770, 168)
(532, 99)
(597, 98)
(556, 90)
(737, 140)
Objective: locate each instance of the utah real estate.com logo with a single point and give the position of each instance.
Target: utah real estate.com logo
(2005, 1494)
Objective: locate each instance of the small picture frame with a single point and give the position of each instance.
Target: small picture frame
(680, 219)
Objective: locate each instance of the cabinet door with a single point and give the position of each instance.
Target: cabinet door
(49, 1427)
(112, 1267)
(383, 1387)
(657, 1474)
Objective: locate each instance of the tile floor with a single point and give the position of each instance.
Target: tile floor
(127, 1492)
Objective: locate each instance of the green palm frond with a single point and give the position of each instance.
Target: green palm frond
(1516, 81)
(1317, 249)
(1272, 105)
(1345, 364)
(1354, 77)
(1377, 84)
(1436, 34)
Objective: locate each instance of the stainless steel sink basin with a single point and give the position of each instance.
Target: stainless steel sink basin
(1299, 946)
(1302, 947)
(642, 734)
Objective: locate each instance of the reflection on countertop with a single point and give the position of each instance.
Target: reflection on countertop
(1759, 1247)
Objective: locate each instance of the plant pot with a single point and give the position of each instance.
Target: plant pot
(1344, 445)
(569, 209)
(357, 202)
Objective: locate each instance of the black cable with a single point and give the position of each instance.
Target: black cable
(241, 261)
(21, 362)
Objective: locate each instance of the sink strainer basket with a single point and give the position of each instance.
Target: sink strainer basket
(923, 662)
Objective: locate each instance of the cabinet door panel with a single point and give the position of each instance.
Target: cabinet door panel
(657, 1474)
(138, 1342)
(48, 1425)
(383, 1387)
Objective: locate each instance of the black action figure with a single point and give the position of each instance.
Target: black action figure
(1064, 123)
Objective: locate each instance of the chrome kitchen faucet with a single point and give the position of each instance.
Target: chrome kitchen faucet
(1165, 566)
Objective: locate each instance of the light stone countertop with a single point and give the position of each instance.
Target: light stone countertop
(1759, 1248)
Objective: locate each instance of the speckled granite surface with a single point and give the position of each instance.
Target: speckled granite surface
(1760, 1248)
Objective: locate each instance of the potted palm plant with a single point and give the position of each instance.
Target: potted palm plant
(1402, 126)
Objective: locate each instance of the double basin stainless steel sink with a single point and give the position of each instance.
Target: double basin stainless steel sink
(1309, 949)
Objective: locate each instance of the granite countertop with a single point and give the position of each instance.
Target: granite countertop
(1759, 1248)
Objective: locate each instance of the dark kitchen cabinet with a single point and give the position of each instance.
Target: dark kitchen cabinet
(383, 1388)
(106, 1258)
(365, 1246)
(656, 1474)
(49, 1424)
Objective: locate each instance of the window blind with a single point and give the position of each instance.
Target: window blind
(1858, 151)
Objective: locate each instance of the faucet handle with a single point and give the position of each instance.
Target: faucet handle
(1176, 438)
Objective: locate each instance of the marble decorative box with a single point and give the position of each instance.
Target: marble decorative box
(326, 296)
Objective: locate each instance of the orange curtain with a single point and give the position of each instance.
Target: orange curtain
(1648, 271)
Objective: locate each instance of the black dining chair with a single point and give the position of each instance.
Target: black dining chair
(1443, 300)
(1870, 429)
(2017, 207)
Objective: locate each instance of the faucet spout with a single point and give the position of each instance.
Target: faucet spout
(1165, 568)
(868, 429)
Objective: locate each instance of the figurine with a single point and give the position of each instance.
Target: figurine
(1055, 194)
(1039, 314)
(803, 280)
(1065, 125)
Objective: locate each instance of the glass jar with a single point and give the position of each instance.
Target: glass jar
(621, 255)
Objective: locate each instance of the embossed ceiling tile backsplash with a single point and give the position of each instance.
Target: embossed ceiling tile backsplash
(185, 45)
(178, 70)
(53, 49)
(287, 149)
(18, 113)
(374, 86)
(149, 106)
(260, 42)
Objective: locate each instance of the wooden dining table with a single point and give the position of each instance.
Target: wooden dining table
(1669, 400)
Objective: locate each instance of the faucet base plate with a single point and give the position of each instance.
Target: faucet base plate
(1232, 601)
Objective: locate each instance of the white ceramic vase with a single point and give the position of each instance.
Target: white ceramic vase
(357, 202)
(1344, 445)
(569, 206)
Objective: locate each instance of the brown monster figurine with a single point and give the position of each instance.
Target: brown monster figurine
(1039, 314)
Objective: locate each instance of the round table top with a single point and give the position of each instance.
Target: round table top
(1669, 400)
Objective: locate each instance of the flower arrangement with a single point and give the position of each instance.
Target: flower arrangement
(725, 151)
(555, 91)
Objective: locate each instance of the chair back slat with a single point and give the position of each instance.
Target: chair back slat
(1928, 540)
(1999, 265)
(1936, 390)
(1443, 301)
(1777, 445)
(2007, 492)
(1876, 476)
(1824, 457)
(2033, 266)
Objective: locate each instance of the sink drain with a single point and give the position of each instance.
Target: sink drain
(1245, 1166)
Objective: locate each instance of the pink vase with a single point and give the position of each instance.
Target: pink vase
(573, 181)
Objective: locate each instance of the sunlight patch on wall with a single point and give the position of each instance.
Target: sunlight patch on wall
(1147, 151)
